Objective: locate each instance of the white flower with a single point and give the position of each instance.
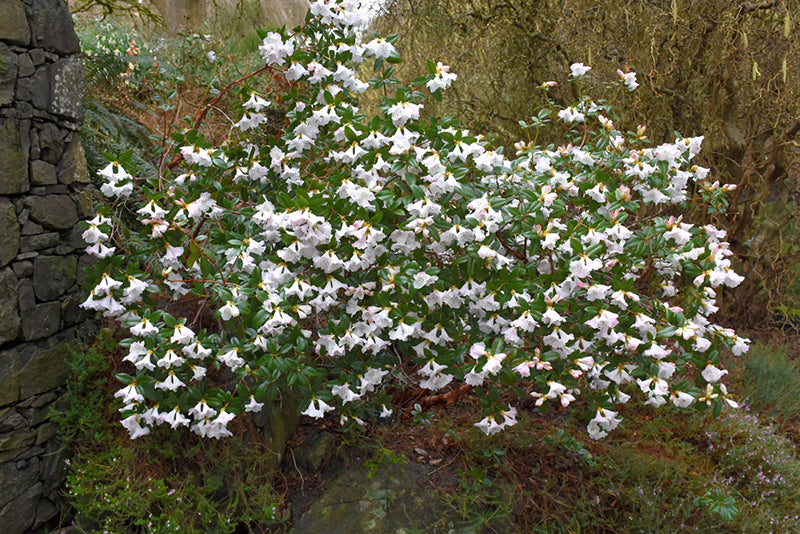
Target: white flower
(172, 383)
(742, 344)
(93, 234)
(202, 410)
(379, 48)
(182, 335)
(170, 359)
(133, 426)
(196, 350)
(253, 405)
(231, 359)
(318, 411)
(200, 156)
(681, 399)
(274, 50)
(712, 373)
(228, 311)
(422, 279)
(578, 69)
(345, 393)
(489, 426)
(256, 103)
(441, 79)
(371, 379)
(144, 328)
(130, 394)
(629, 79)
(402, 112)
(604, 422)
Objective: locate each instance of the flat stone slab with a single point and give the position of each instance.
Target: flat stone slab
(391, 499)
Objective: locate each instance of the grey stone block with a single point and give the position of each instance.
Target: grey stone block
(23, 109)
(19, 476)
(14, 454)
(9, 66)
(30, 452)
(85, 206)
(43, 173)
(71, 311)
(9, 237)
(14, 147)
(10, 420)
(35, 88)
(55, 212)
(27, 298)
(66, 86)
(19, 514)
(84, 262)
(39, 241)
(73, 238)
(51, 142)
(14, 26)
(45, 511)
(73, 164)
(37, 367)
(39, 401)
(57, 189)
(40, 321)
(53, 276)
(53, 470)
(35, 152)
(40, 57)
(52, 27)
(9, 311)
(22, 269)
(31, 228)
(16, 439)
(25, 66)
(46, 432)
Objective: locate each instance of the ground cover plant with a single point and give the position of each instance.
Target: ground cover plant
(315, 251)
(171, 484)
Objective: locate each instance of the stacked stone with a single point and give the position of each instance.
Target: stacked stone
(42, 179)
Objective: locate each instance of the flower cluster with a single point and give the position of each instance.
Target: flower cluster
(349, 251)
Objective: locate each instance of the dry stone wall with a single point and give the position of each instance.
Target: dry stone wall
(42, 179)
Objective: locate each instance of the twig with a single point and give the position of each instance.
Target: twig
(202, 113)
(508, 248)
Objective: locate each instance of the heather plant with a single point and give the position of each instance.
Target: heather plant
(758, 465)
(345, 253)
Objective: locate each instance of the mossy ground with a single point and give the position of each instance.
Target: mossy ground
(663, 470)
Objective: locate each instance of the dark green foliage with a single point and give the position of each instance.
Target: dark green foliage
(107, 130)
(768, 380)
(165, 483)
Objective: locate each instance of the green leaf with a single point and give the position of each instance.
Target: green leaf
(431, 67)
(125, 378)
(194, 254)
(394, 58)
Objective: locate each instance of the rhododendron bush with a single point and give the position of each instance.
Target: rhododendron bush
(350, 253)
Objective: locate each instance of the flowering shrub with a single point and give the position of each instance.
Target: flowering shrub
(349, 251)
